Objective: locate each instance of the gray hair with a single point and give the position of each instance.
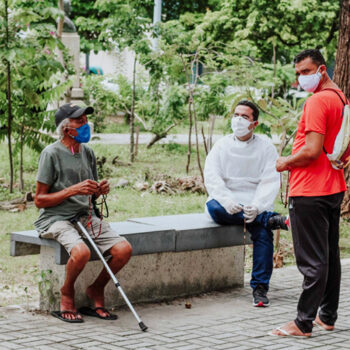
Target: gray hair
(59, 129)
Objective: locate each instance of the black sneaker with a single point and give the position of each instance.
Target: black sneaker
(260, 298)
(278, 222)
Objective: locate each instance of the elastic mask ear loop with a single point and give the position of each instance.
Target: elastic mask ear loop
(71, 147)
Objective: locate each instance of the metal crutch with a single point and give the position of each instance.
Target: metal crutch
(114, 279)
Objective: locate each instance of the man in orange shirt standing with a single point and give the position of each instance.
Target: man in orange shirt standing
(316, 193)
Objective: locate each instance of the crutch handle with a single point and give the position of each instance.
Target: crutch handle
(76, 218)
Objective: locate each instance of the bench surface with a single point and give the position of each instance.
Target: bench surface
(172, 233)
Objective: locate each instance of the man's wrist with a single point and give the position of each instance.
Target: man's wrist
(289, 162)
(71, 191)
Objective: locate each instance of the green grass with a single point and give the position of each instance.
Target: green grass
(18, 276)
(221, 126)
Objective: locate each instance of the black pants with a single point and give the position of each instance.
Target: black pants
(315, 230)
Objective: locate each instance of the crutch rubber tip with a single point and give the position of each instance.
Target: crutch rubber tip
(143, 326)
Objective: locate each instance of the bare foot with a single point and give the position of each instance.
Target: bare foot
(290, 329)
(323, 325)
(67, 304)
(97, 296)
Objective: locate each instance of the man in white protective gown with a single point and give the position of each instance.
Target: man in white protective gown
(242, 184)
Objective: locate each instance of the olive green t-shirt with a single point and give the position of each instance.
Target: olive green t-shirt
(59, 169)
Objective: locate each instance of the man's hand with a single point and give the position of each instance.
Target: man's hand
(282, 164)
(104, 187)
(87, 187)
(44, 199)
(307, 154)
(233, 208)
(250, 213)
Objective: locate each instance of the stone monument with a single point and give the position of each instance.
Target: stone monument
(71, 40)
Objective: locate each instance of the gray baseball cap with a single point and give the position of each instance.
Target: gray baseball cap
(71, 110)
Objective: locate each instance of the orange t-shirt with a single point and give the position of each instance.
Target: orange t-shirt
(322, 114)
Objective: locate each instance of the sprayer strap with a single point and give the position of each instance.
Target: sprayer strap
(338, 95)
(324, 150)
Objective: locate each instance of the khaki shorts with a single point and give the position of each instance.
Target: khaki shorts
(69, 235)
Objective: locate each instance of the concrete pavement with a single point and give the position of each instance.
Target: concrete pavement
(145, 138)
(222, 320)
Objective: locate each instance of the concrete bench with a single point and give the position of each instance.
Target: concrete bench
(173, 256)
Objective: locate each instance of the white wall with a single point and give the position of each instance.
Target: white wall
(112, 62)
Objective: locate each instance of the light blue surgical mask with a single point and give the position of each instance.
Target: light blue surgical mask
(84, 134)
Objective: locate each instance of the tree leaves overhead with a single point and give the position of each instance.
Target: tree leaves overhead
(127, 23)
(88, 20)
(36, 72)
(292, 25)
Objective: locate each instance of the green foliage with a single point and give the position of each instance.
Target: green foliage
(254, 27)
(210, 98)
(104, 101)
(36, 70)
(88, 21)
(36, 73)
(175, 148)
(278, 116)
(46, 281)
(171, 110)
(173, 9)
(126, 23)
(155, 112)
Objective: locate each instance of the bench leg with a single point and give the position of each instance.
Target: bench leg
(51, 278)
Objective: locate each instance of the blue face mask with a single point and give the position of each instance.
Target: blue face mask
(83, 134)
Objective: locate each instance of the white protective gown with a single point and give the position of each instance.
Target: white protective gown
(243, 172)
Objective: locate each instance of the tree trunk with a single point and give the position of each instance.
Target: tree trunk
(342, 61)
(188, 78)
(160, 136)
(189, 149)
(9, 101)
(204, 141)
(60, 21)
(211, 131)
(21, 178)
(132, 114)
(9, 124)
(342, 79)
(274, 68)
(197, 143)
(137, 140)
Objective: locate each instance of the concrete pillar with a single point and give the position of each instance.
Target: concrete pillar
(72, 42)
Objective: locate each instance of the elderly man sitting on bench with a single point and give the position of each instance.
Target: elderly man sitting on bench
(66, 186)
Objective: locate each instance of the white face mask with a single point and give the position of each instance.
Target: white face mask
(240, 126)
(310, 82)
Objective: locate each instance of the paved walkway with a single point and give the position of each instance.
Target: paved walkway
(215, 321)
(145, 138)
